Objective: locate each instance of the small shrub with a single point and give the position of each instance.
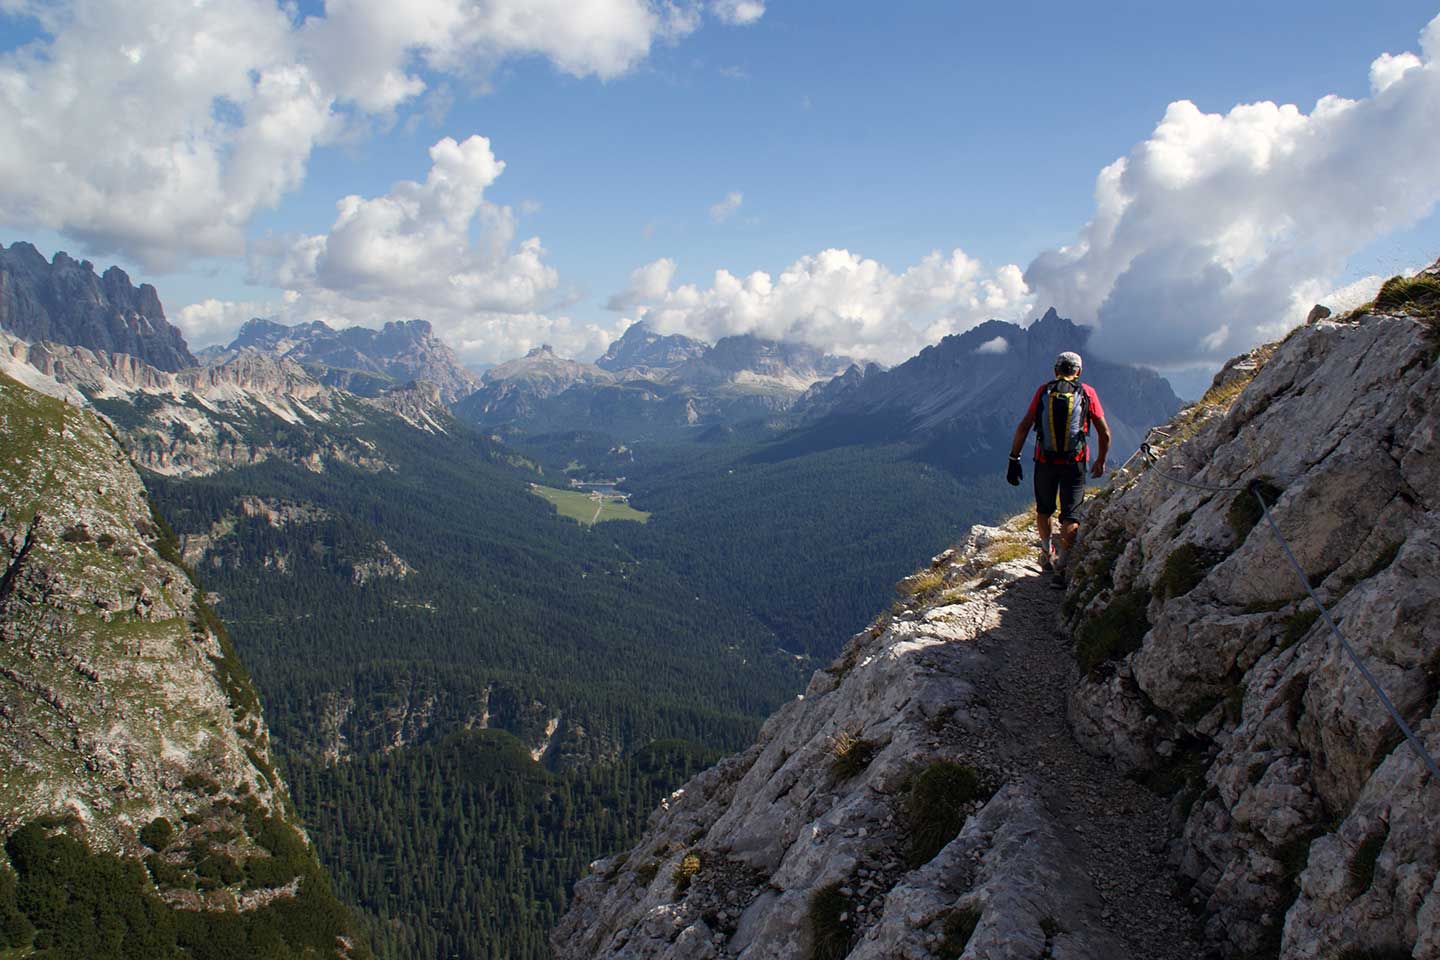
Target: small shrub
(849, 754)
(1361, 872)
(832, 926)
(685, 872)
(1184, 569)
(1051, 928)
(157, 834)
(956, 932)
(647, 872)
(1118, 629)
(1245, 511)
(933, 808)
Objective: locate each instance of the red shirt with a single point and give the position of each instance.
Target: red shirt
(1092, 410)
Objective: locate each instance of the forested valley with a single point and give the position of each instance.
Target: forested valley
(469, 723)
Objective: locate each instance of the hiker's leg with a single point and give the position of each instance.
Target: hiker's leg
(1042, 525)
(1072, 492)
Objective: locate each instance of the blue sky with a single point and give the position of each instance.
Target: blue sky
(885, 132)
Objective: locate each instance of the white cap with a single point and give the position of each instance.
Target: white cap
(1068, 361)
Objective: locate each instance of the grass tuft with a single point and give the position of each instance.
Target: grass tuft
(922, 584)
(1008, 552)
(850, 753)
(832, 925)
(1361, 871)
(955, 933)
(1417, 296)
(1119, 629)
(933, 808)
(1245, 513)
(1184, 569)
(1296, 626)
(685, 872)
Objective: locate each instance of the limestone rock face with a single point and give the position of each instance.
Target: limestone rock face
(202, 420)
(119, 702)
(1309, 826)
(821, 816)
(65, 302)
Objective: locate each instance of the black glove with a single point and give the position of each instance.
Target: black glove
(1014, 474)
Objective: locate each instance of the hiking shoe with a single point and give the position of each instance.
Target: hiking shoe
(1047, 558)
(1062, 561)
(1058, 581)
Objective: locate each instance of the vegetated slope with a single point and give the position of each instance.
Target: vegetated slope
(1309, 825)
(139, 804)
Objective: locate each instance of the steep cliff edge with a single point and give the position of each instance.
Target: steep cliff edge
(129, 732)
(965, 781)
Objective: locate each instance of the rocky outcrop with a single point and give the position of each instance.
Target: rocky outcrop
(65, 302)
(919, 800)
(1281, 814)
(1308, 825)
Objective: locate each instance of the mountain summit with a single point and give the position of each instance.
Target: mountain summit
(63, 301)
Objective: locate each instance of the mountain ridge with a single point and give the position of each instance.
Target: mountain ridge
(1295, 819)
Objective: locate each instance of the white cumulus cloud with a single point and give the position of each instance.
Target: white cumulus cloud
(738, 12)
(157, 129)
(835, 300)
(725, 209)
(1221, 230)
(437, 250)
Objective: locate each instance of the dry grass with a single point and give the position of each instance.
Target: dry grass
(1008, 551)
(922, 584)
(685, 872)
(850, 753)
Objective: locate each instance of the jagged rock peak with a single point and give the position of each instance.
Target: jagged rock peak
(362, 360)
(64, 302)
(642, 348)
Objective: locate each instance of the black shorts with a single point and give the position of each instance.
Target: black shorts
(1065, 479)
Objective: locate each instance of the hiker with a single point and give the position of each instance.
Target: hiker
(1061, 413)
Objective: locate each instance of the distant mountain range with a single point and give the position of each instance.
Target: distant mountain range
(651, 385)
(961, 398)
(358, 359)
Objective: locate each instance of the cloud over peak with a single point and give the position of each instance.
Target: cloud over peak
(1220, 230)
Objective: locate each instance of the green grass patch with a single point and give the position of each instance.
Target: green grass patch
(1186, 566)
(832, 923)
(585, 509)
(932, 807)
(1117, 630)
(1244, 512)
(922, 584)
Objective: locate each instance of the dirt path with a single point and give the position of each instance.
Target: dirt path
(1119, 828)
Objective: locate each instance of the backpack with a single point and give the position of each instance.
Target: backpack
(1062, 419)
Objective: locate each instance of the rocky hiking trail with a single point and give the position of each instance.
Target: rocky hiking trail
(1116, 828)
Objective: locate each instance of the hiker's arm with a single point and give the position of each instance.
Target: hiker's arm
(1018, 443)
(1102, 432)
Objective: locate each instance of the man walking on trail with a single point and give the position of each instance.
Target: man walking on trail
(1061, 412)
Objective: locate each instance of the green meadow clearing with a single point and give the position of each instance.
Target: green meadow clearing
(585, 508)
